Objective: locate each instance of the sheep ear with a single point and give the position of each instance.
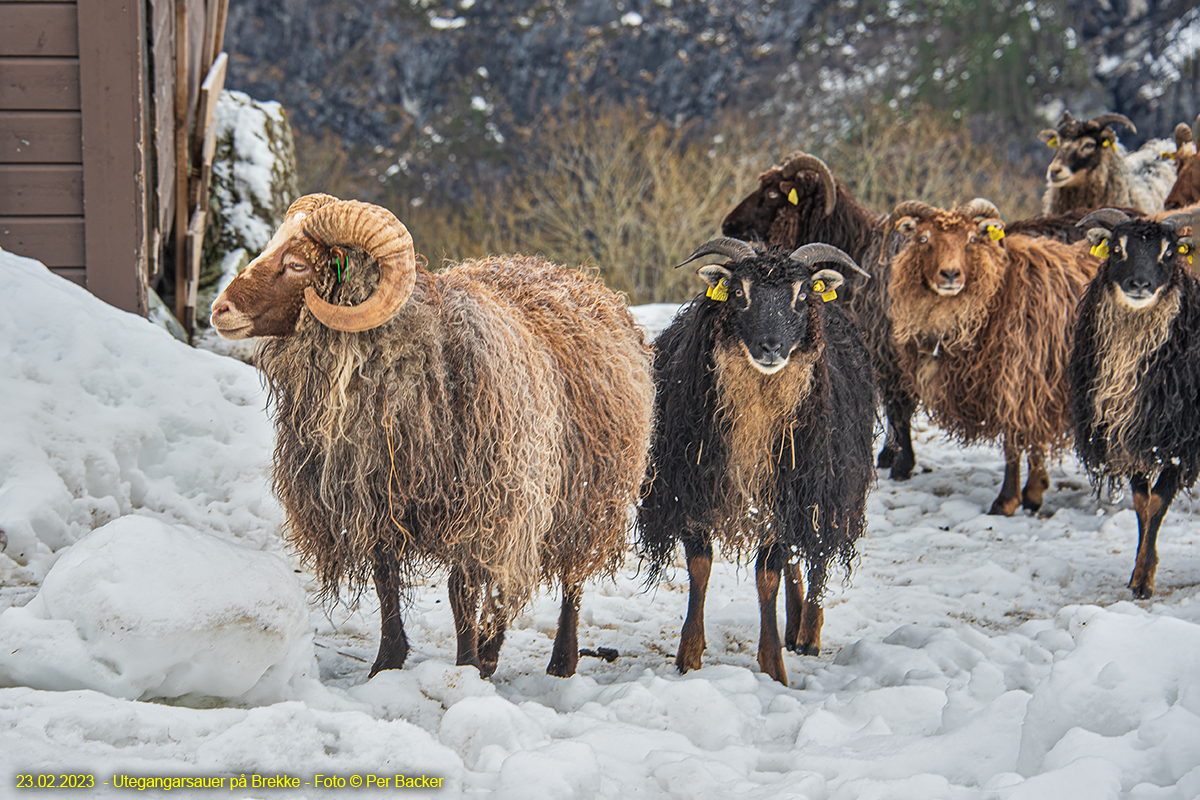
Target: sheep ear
(1049, 136)
(713, 273)
(993, 227)
(907, 225)
(1098, 237)
(831, 278)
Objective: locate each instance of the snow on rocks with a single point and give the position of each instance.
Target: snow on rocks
(140, 609)
(102, 414)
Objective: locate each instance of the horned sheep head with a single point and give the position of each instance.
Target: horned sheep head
(1141, 255)
(266, 298)
(770, 294)
(1082, 145)
(942, 240)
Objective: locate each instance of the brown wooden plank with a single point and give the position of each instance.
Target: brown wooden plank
(55, 241)
(40, 137)
(205, 140)
(46, 29)
(73, 274)
(115, 153)
(41, 189)
(39, 84)
(182, 160)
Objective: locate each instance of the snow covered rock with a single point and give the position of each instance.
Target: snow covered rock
(253, 183)
(140, 609)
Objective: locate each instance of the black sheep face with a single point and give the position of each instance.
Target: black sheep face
(1142, 257)
(769, 300)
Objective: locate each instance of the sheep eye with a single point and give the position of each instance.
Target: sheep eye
(924, 238)
(801, 296)
(774, 195)
(737, 293)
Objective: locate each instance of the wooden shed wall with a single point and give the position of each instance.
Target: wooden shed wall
(41, 151)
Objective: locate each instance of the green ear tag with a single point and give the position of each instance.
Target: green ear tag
(793, 197)
(1100, 250)
(996, 232)
(720, 292)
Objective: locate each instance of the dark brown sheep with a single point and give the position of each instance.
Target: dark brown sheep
(492, 419)
(984, 323)
(1186, 190)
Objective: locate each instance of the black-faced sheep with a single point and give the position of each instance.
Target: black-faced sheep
(1186, 190)
(1092, 169)
(984, 324)
(800, 201)
(764, 415)
(492, 419)
(1135, 370)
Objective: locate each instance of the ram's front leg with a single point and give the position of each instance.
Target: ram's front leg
(691, 641)
(393, 643)
(464, 604)
(766, 577)
(1006, 504)
(565, 656)
(1038, 481)
(493, 635)
(1151, 507)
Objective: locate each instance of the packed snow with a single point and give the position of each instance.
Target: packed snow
(157, 632)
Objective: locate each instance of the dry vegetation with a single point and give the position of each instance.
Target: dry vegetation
(620, 191)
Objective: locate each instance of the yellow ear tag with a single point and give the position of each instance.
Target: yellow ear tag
(819, 288)
(1106, 143)
(1184, 250)
(793, 197)
(996, 232)
(1101, 250)
(1053, 142)
(720, 292)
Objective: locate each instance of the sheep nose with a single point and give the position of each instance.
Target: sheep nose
(220, 307)
(950, 275)
(1138, 286)
(770, 347)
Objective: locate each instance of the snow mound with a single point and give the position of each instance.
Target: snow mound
(102, 414)
(140, 609)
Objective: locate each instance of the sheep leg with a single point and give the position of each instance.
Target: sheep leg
(464, 604)
(565, 655)
(1038, 481)
(393, 643)
(793, 603)
(813, 616)
(1151, 508)
(904, 461)
(691, 641)
(489, 648)
(1006, 504)
(766, 578)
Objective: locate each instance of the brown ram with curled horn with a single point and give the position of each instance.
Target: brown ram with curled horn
(983, 321)
(1092, 169)
(1186, 191)
(491, 419)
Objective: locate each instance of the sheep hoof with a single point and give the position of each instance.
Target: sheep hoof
(1031, 505)
(805, 649)
(902, 470)
(1142, 589)
(1005, 507)
(887, 457)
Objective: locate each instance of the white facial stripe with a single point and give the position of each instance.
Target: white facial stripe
(1163, 251)
(1124, 244)
(746, 291)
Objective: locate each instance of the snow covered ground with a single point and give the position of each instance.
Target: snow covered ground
(966, 657)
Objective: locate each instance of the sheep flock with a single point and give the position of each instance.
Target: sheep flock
(503, 421)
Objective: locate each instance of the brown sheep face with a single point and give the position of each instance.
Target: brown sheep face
(265, 299)
(944, 249)
(1077, 157)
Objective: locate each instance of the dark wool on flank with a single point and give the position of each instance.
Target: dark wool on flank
(820, 471)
